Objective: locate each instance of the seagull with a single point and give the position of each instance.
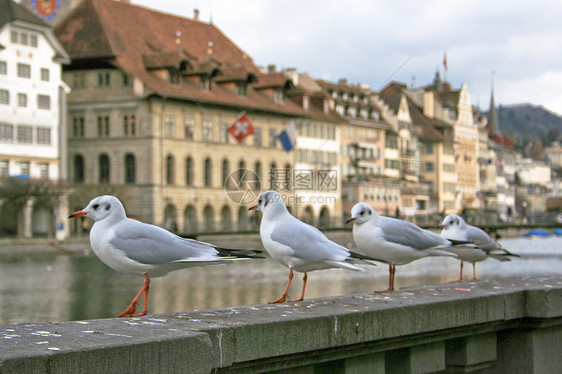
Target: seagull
(454, 227)
(133, 247)
(394, 241)
(297, 245)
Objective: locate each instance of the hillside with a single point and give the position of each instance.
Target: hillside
(529, 122)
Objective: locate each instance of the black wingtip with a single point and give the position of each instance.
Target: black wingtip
(359, 256)
(240, 253)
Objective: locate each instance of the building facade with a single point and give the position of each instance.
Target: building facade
(32, 109)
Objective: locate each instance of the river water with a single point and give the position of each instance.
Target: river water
(62, 287)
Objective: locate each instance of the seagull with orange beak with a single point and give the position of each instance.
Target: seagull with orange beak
(133, 247)
(394, 241)
(299, 246)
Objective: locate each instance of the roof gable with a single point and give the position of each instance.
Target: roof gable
(12, 11)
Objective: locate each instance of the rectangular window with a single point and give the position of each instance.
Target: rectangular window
(428, 149)
(4, 97)
(33, 42)
(272, 138)
(23, 38)
(448, 168)
(43, 102)
(45, 74)
(43, 135)
(43, 171)
(448, 187)
(24, 71)
(104, 79)
(428, 167)
(126, 80)
(78, 127)
(188, 128)
(207, 130)
(24, 168)
(103, 125)
(79, 80)
(6, 133)
(257, 137)
(224, 134)
(4, 169)
(170, 126)
(448, 149)
(22, 100)
(14, 37)
(25, 134)
(3, 67)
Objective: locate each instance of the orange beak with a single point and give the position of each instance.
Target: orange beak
(350, 219)
(253, 207)
(78, 213)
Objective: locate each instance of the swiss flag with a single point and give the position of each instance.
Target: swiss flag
(241, 127)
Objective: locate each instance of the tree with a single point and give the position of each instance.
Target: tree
(17, 192)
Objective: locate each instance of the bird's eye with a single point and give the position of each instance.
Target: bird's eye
(96, 206)
(362, 212)
(107, 207)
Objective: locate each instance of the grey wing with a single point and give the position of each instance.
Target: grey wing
(477, 235)
(406, 233)
(307, 242)
(149, 244)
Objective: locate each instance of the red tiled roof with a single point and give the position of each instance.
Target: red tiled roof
(128, 36)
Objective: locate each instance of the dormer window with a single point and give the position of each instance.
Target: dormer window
(241, 89)
(278, 95)
(205, 83)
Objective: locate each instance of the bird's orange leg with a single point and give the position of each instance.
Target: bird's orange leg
(391, 272)
(284, 296)
(462, 265)
(303, 287)
(131, 308)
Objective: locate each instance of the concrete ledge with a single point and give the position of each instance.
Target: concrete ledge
(456, 327)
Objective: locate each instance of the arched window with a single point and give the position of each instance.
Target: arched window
(242, 218)
(225, 172)
(103, 162)
(288, 177)
(170, 169)
(189, 171)
(226, 219)
(130, 169)
(208, 172)
(271, 175)
(190, 220)
(78, 169)
(257, 170)
(209, 218)
(324, 218)
(241, 171)
(170, 218)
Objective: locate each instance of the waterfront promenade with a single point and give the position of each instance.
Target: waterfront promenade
(508, 325)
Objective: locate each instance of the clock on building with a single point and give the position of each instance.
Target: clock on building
(45, 9)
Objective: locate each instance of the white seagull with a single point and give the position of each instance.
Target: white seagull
(133, 247)
(297, 245)
(394, 241)
(454, 227)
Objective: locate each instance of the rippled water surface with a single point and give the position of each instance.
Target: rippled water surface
(62, 287)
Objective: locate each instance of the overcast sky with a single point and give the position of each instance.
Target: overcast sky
(375, 41)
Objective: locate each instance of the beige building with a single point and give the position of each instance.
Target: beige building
(149, 111)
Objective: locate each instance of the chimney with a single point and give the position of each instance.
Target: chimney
(271, 68)
(196, 14)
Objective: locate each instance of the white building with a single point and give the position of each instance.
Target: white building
(32, 105)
